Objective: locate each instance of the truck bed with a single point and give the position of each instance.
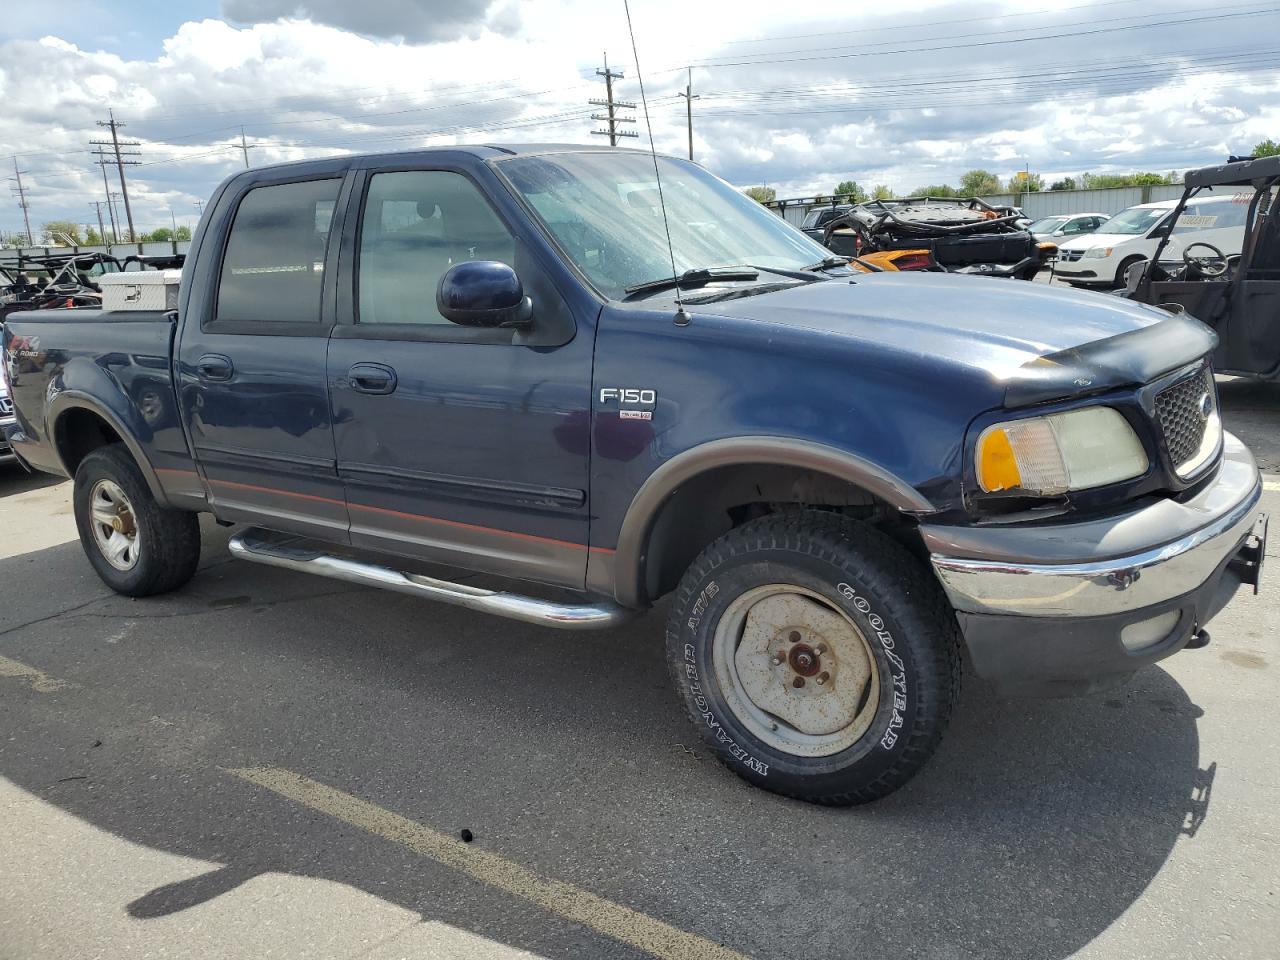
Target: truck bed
(59, 360)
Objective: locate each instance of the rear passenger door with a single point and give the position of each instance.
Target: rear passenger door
(251, 368)
(462, 445)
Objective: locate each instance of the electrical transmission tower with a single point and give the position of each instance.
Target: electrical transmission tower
(612, 118)
(22, 201)
(116, 143)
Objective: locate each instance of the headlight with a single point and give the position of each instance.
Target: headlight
(1097, 253)
(1063, 451)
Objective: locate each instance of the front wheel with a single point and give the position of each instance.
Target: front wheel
(137, 547)
(817, 658)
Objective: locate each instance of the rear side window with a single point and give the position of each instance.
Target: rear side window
(273, 270)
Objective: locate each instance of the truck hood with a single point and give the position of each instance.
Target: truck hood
(1039, 342)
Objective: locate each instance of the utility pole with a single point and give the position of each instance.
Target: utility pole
(102, 230)
(120, 162)
(613, 106)
(689, 97)
(174, 218)
(22, 202)
(112, 197)
(199, 205)
(102, 161)
(245, 147)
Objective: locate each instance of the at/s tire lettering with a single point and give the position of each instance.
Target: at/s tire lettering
(704, 708)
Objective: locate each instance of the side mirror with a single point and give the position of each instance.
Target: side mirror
(1060, 232)
(483, 293)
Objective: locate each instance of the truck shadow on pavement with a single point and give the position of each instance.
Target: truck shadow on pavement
(14, 479)
(1036, 826)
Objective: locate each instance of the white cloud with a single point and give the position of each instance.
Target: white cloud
(337, 76)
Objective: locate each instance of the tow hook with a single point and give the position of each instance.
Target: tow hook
(1247, 563)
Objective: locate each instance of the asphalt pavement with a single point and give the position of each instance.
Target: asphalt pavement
(266, 764)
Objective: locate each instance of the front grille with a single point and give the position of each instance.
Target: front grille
(1069, 256)
(6, 406)
(1185, 410)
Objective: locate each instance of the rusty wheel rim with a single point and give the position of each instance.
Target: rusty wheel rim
(795, 670)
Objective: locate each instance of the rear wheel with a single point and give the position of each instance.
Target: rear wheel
(816, 657)
(137, 547)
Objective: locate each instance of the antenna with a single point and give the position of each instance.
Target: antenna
(681, 318)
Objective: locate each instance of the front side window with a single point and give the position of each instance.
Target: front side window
(273, 270)
(603, 209)
(416, 225)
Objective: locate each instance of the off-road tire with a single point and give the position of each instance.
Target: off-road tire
(169, 549)
(887, 593)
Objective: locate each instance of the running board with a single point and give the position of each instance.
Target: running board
(259, 546)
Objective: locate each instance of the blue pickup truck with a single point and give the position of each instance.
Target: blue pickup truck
(491, 359)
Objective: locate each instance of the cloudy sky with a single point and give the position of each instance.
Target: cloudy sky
(796, 97)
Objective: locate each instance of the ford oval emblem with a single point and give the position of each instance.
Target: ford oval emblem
(1206, 405)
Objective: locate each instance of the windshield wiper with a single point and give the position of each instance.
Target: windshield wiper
(826, 263)
(737, 293)
(692, 278)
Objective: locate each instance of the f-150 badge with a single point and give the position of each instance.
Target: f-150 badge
(634, 403)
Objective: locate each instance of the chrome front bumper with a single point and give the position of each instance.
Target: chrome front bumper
(1120, 564)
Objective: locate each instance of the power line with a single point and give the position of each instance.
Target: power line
(760, 59)
(121, 163)
(612, 118)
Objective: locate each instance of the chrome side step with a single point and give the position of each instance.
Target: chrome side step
(259, 547)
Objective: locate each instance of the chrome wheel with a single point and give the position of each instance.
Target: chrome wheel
(796, 670)
(115, 530)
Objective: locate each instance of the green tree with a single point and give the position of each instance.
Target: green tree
(1267, 148)
(850, 190)
(761, 194)
(159, 235)
(184, 233)
(1066, 183)
(91, 237)
(881, 191)
(936, 190)
(1023, 182)
(59, 232)
(979, 183)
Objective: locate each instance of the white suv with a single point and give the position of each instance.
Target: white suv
(1101, 258)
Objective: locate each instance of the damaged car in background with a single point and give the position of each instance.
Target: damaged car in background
(948, 235)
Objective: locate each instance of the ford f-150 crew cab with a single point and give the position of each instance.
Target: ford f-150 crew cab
(491, 359)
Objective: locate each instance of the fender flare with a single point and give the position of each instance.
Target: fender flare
(633, 538)
(78, 400)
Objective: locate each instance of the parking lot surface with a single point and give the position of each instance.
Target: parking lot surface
(265, 764)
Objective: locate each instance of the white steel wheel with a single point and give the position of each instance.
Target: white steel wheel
(795, 670)
(115, 528)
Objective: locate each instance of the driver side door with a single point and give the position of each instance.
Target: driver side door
(467, 446)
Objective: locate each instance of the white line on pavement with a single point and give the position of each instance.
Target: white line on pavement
(637, 929)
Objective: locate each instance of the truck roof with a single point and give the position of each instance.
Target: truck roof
(484, 151)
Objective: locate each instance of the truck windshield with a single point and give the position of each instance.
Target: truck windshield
(602, 208)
